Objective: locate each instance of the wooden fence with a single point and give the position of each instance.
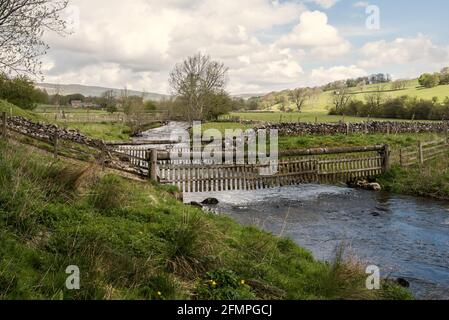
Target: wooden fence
(423, 152)
(297, 166)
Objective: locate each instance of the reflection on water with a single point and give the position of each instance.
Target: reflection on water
(405, 236)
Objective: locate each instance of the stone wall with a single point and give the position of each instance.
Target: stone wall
(48, 132)
(303, 128)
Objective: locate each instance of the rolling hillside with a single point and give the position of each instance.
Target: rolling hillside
(323, 101)
(93, 91)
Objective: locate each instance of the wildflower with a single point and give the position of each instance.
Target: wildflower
(242, 282)
(159, 293)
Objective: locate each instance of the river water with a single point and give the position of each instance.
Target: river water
(404, 236)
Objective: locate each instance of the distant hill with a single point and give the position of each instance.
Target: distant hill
(93, 91)
(323, 101)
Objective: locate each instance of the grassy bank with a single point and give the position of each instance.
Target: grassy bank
(133, 240)
(430, 180)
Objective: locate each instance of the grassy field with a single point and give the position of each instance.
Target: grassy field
(306, 116)
(323, 102)
(134, 240)
(51, 109)
(103, 131)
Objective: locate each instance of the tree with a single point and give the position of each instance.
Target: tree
(399, 85)
(22, 24)
(374, 100)
(444, 76)
(428, 80)
(341, 99)
(194, 81)
(300, 96)
(21, 92)
(109, 101)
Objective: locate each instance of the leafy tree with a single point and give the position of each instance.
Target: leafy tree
(429, 80)
(444, 76)
(21, 92)
(299, 97)
(150, 105)
(195, 81)
(22, 24)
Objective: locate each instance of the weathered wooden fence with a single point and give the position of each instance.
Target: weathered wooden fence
(298, 166)
(423, 152)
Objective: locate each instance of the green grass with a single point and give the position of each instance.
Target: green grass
(107, 131)
(306, 116)
(51, 109)
(395, 141)
(430, 180)
(323, 102)
(133, 240)
(13, 110)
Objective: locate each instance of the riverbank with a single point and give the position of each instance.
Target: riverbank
(134, 240)
(430, 180)
(406, 237)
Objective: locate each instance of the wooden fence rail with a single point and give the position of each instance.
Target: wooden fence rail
(423, 152)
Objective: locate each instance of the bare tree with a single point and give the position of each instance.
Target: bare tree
(375, 99)
(300, 96)
(194, 80)
(341, 99)
(22, 25)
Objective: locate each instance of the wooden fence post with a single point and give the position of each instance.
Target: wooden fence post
(152, 164)
(386, 158)
(421, 153)
(55, 143)
(4, 127)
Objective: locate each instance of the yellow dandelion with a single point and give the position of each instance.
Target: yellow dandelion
(242, 282)
(159, 293)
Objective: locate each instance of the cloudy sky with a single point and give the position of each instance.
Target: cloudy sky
(267, 44)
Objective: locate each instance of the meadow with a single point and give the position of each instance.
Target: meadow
(323, 102)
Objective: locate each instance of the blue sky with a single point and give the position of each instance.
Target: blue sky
(267, 44)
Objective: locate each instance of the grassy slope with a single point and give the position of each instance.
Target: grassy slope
(107, 131)
(431, 180)
(134, 241)
(13, 110)
(319, 107)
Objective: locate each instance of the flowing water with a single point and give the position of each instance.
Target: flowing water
(404, 236)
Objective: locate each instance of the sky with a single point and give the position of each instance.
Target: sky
(268, 45)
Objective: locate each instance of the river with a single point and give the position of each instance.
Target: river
(404, 236)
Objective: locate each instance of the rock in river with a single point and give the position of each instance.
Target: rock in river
(210, 201)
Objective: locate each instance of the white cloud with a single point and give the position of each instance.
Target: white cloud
(361, 4)
(326, 4)
(137, 42)
(403, 51)
(322, 75)
(314, 32)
